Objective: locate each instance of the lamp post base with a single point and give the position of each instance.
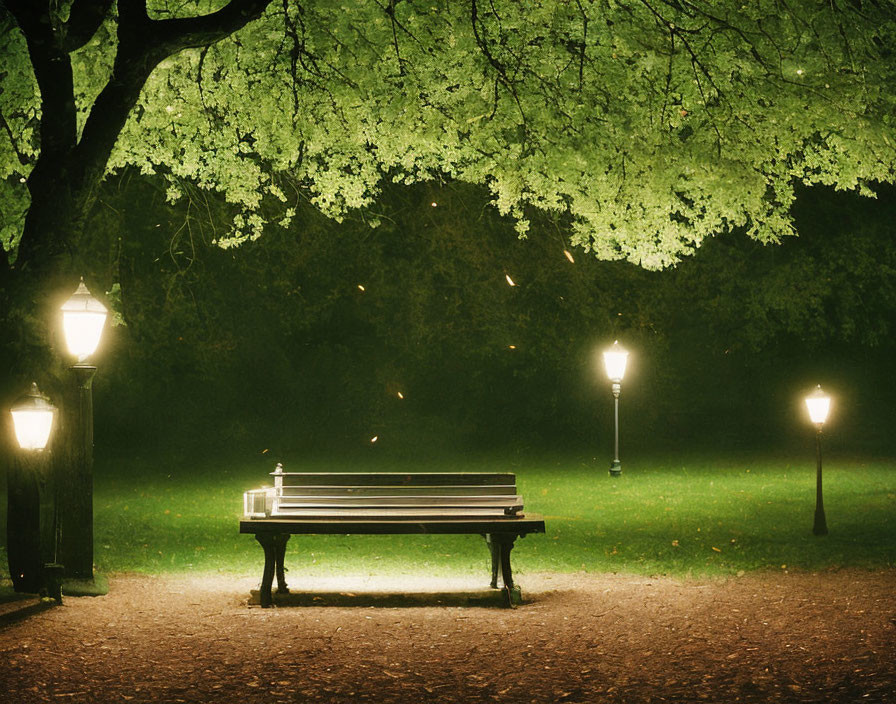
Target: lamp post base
(615, 468)
(97, 585)
(52, 581)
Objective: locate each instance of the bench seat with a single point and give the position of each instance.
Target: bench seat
(358, 503)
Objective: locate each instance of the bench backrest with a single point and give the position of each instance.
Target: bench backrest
(388, 496)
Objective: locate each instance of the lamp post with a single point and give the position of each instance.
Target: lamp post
(819, 404)
(614, 363)
(31, 520)
(83, 319)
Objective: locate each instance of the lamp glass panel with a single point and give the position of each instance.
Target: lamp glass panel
(819, 406)
(33, 428)
(82, 332)
(614, 361)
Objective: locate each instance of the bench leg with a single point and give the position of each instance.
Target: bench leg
(280, 540)
(495, 551)
(268, 544)
(274, 546)
(501, 545)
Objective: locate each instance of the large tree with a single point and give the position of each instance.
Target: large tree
(651, 124)
(648, 125)
(654, 124)
(66, 99)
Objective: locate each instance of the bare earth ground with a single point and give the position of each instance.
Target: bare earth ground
(828, 637)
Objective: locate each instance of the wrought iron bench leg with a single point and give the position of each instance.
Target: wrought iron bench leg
(279, 553)
(274, 546)
(501, 544)
(495, 551)
(268, 544)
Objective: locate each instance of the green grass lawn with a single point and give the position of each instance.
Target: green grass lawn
(698, 516)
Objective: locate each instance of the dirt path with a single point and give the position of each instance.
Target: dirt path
(827, 637)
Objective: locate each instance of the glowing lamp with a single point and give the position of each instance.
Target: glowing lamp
(819, 404)
(32, 416)
(83, 318)
(614, 362)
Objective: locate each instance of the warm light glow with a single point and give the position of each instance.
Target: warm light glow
(509, 280)
(32, 416)
(361, 288)
(819, 404)
(569, 256)
(400, 395)
(83, 318)
(614, 361)
(374, 438)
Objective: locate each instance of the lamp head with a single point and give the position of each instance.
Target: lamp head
(83, 318)
(32, 416)
(819, 404)
(614, 362)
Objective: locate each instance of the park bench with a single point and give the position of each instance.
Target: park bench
(305, 503)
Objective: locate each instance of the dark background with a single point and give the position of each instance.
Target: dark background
(274, 346)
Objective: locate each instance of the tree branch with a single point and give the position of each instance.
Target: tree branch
(502, 76)
(12, 141)
(171, 36)
(53, 73)
(84, 20)
(142, 44)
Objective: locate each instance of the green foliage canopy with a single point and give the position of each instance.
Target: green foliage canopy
(652, 123)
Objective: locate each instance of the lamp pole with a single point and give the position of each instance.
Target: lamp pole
(820, 526)
(83, 319)
(616, 465)
(77, 529)
(615, 360)
(819, 404)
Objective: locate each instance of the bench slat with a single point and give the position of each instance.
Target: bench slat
(452, 490)
(391, 513)
(448, 507)
(292, 500)
(395, 479)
